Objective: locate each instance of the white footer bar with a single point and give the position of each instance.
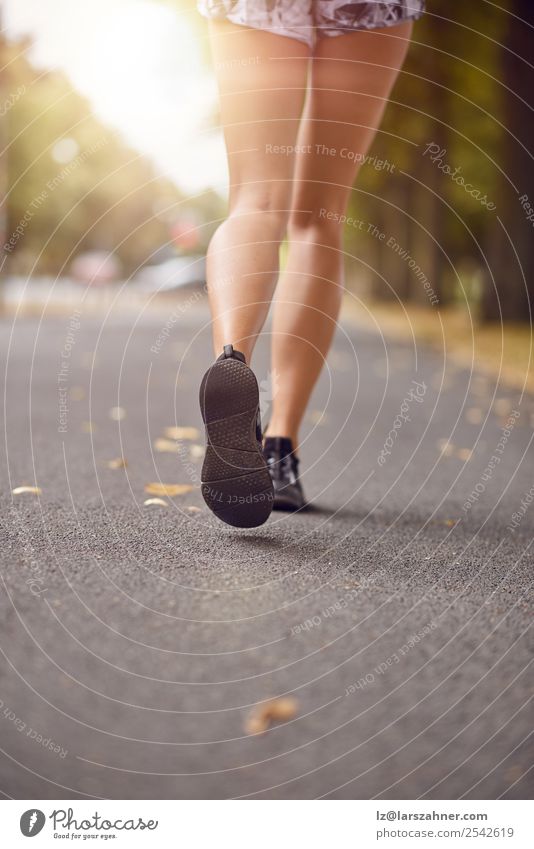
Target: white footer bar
(269, 824)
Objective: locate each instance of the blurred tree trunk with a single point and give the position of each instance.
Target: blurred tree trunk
(430, 249)
(512, 296)
(397, 224)
(428, 205)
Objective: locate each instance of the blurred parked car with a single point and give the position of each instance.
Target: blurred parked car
(96, 268)
(172, 274)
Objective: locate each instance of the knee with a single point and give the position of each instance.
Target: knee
(266, 210)
(317, 226)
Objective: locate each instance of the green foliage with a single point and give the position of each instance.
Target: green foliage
(449, 93)
(106, 196)
(464, 88)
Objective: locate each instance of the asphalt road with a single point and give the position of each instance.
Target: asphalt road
(137, 639)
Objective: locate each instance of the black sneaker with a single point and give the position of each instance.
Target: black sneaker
(283, 465)
(236, 484)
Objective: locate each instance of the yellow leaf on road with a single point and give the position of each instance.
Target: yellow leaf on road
(262, 716)
(117, 463)
(117, 414)
(167, 445)
(474, 415)
(168, 489)
(318, 417)
(19, 490)
(502, 406)
(181, 432)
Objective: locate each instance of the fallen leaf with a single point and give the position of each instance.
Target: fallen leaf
(450, 522)
(464, 453)
(168, 445)
(159, 501)
(88, 427)
(77, 393)
(169, 489)
(318, 417)
(19, 490)
(262, 716)
(181, 432)
(117, 414)
(502, 406)
(474, 415)
(446, 447)
(118, 463)
(192, 509)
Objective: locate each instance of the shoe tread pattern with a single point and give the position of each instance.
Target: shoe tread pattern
(236, 484)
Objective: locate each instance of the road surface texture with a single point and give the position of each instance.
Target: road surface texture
(138, 640)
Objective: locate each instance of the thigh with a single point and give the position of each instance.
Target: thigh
(351, 78)
(262, 81)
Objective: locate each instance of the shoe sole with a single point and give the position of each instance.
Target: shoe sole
(236, 484)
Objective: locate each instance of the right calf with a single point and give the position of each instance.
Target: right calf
(242, 273)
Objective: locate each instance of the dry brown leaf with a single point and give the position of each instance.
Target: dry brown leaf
(117, 414)
(159, 501)
(181, 432)
(117, 463)
(168, 489)
(167, 445)
(450, 522)
(464, 453)
(35, 490)
(262, 716)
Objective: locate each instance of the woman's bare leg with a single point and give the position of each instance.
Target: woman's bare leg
(262, 80)
(352, 77)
